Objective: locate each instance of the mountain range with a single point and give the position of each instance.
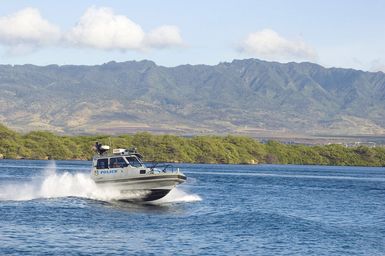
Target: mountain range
(248, 96)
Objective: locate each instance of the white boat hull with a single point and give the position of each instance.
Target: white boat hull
(144, 188)
(124, 172)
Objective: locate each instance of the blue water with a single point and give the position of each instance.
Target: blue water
(50, 208)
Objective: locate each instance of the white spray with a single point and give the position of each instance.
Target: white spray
(178, 195)
(54, 185)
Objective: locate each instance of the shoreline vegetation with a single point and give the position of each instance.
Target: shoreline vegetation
(198, 149)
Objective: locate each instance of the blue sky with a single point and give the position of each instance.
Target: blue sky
(340, 33)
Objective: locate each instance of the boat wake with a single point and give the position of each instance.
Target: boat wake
(66, 184)
(178, 195)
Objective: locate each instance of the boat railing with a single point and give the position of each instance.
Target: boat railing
(165, 168)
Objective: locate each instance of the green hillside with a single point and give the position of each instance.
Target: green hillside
(241, 97)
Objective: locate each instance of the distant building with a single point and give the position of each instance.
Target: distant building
(359, 143)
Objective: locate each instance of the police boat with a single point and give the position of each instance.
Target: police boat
(124, 171)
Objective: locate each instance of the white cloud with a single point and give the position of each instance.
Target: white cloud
(26, 29)
(164, 36)
(102, 28)
(267, 44)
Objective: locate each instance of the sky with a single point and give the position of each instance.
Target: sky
(348, 34)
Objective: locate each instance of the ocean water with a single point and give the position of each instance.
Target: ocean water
(53, 208)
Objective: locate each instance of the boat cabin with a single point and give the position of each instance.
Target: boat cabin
(120, 158)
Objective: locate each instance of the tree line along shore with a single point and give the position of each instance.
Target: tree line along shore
(198, 149)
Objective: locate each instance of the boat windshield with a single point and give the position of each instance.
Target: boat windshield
(117, 162)
(133, 161)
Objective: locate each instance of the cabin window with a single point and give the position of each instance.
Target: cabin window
(102, 163)
(117, 162)
(133, 161)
